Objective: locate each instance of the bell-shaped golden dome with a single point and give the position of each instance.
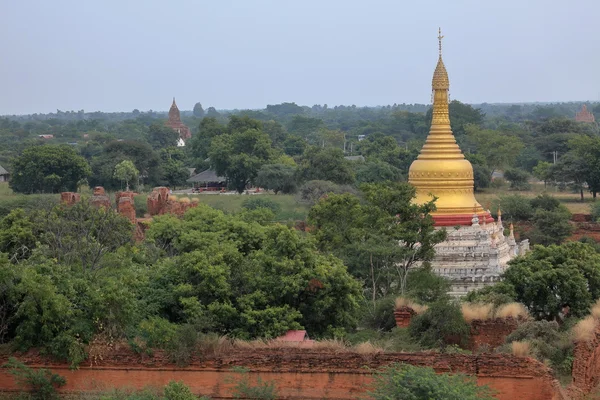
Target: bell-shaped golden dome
(441, 169)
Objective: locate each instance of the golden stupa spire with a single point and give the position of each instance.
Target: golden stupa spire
(441, 169)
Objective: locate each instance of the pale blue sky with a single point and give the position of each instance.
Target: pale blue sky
(117, 55)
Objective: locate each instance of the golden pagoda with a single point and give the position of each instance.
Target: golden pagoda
(441, 169)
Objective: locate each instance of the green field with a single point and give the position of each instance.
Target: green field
(291, 210)
(571, 200)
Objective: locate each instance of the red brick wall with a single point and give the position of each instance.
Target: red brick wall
(491, 333)
(304, 373)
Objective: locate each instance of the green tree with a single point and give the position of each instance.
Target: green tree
(461, 115)
(146, 161)
(548, 277)
(543, 171)
(572, 169)
(249, 280)
(519, 179)
(498, 149)
(376, 171)
(161, 136)
(198, 111)
(407, 382)
(381, 239)
(588, 149)
(48, 168)
(442, 324)
(240, 155)
(277, 177)
(327, 164)
(126, 171)
(82, 234)
(199, 144)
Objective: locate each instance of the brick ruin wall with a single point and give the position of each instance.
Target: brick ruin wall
(484, 335)
(298, 373)
(158, 203)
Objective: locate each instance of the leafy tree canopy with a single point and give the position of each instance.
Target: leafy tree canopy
(48, 169)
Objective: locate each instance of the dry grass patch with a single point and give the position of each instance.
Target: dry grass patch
(406, 302)
(595, 310)
(512, 310)
(334, 345)
(185, 200)
(172, 197)
(473, 311)
(521, 349)
(585, 330)
(195, 200)
(367, 348)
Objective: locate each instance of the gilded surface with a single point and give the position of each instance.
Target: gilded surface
(441, 169)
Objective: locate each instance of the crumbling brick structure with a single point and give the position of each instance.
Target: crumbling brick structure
(298, 373)
(99, 198)
(157, 200)
(403, 316)
(491, 333)
(69, 198)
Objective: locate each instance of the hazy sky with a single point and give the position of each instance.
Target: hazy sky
(117, 55)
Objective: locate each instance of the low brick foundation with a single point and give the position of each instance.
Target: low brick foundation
(300, 373)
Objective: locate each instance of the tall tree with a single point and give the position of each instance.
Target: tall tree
(239, 155)
(126, 171)
(326, 164)
(380, 239)
(49, 169)
(198, 111)
(499, 150)
(161, 136)
(548, 277)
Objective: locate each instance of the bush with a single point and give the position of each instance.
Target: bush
(498, 183)
(178, 391)
(40, 382)
(546, 342)
(442, 324)
(157, 332)
(519, 179)
(595, 211)
(406, 382)
(515, 208)
(258, 201)
(381, 315)
(244, 389)
(312, 191)
(550, 227)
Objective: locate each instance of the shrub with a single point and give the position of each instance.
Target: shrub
(595, 211)
(41, 382)
(312, 191)
(178, 391)
(406, 382)
(380, 316)
(244, 389)
(515, 208)
(157, 332)
(440, 325)
(183, 346)
(258, 201)
(498, 183)
(519, 179)
(546, 342)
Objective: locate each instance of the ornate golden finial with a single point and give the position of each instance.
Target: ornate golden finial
(440, 37)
